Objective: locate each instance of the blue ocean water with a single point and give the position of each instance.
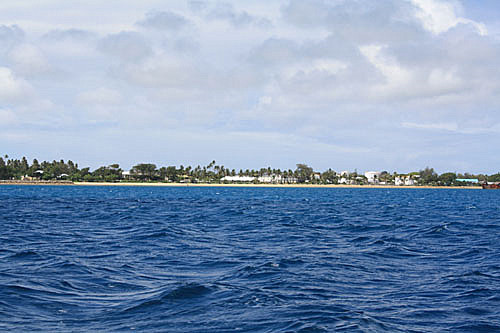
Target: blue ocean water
(134, 259)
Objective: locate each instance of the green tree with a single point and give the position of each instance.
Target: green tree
(303, 172)
(494, 178)
(24, 166)
(4, 171)
(33, 168)
(329, 177)
(386, 177)
(109, 174)
(447, 178)
(144, 171)
(171, 173)
(428, 176)
(83, 174)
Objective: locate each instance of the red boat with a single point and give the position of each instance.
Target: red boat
(494, 186)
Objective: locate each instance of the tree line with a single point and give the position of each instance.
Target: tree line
(21, 169)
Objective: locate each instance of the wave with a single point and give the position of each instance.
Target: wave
(181, 293)
(250, 260)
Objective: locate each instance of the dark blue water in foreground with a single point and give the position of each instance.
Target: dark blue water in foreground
(77, 259)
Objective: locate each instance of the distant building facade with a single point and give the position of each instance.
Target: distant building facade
(373, 177)
(404, 181)
(467, 180)
(246, 179)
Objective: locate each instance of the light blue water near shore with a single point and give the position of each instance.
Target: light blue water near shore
(78, 259)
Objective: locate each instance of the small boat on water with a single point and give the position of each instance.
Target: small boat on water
(491, 186)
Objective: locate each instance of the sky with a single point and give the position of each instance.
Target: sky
(393, 85)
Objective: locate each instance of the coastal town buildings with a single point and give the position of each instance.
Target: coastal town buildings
(373, 177)
(290, 180)
(245, 179)
(271, 179)
(404, 181)
(346, 181)
(126, 175)
(21, 170)
(409, 181)
(468, 180)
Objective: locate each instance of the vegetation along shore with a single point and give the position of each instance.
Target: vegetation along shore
(20, 171)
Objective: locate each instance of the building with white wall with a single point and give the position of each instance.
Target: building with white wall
(404, 181)
(373, 176)
(276, 179)
(238, 179)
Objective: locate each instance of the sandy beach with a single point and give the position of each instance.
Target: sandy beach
(47, 183)
(272, 185)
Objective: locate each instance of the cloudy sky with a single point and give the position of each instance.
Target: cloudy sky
(342, 84)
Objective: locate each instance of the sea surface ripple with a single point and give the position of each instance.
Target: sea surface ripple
(148, 259)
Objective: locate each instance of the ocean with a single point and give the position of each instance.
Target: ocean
(221, 259)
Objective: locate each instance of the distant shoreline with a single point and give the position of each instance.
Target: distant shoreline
(37, 182)
(67, 183)
(271, 185)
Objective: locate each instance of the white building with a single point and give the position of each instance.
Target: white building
(270, 179)
(265, 179)
(409, 181)
(402, 180)
(346, 181)
(373, 176)
(126, 175)
(289, 180)
(238, 179)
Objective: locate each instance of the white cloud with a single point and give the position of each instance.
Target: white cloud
(100, 96)
(410, 82)
(452, 127)
(164, 21)
(7, 117)
(439, 16)
(320, 65)
(466, 129)
(445, 81)
(69, 34)
(126, 45)
(29, 60)
(9, 36)
(396, 76)
(226, 12)
(344, 77)
(163, 71)
(197, 5)
(265, 100)
(12, 88)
